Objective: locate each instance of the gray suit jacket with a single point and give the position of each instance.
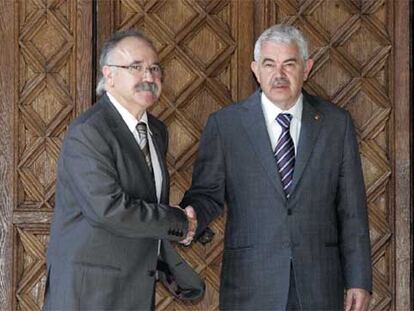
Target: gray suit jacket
(322, 229)
(107, 222)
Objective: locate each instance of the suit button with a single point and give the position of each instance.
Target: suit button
(289, 211)
(151, 273)
(286, 244)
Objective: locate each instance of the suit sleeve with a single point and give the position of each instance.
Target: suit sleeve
(88, 168)
(352, 215)
(207, 190)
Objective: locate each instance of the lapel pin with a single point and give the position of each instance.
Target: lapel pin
(317, 117)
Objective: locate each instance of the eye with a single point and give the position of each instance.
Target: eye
(268, 65)
(155, 69)
(290, 64)
(137, 68)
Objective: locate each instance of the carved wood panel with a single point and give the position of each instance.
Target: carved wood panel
(52, 84)
(351, 43)
(206, 49)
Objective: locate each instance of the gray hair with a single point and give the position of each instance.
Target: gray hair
(282, 34)
(109, 46)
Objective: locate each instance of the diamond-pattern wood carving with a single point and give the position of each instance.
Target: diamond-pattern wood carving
(198, 45)
(30, 249)
(46, 92)
(196, 42)
(351, 45)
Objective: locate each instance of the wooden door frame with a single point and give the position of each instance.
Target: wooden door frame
(7, 105)
(402, 163)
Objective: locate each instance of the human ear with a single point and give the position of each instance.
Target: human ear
(308, 67)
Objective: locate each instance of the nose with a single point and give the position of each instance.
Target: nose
(279, 72)
(147, 75)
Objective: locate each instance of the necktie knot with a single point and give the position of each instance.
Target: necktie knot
(284, 120)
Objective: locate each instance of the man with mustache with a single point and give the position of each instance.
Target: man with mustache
(112, 222)
(287, 165)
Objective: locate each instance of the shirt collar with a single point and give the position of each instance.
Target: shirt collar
(128, 118)
(272, 111)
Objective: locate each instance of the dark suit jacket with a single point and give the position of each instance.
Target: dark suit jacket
(107, 222)
(322, 229)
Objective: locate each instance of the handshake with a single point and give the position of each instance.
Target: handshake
(192, 225)
(204, 237)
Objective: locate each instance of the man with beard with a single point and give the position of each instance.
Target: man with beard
(288, 166)
(112, 222)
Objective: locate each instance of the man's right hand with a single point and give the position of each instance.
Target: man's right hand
(192, 225)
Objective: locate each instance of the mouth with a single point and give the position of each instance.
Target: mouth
(280, 86)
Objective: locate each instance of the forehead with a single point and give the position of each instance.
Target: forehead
(134, 49)
(280, 51)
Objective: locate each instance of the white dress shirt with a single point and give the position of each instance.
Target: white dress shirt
(271, 111)
(132, 122)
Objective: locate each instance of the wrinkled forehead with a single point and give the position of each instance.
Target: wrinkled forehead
(276, 49)
(133, 49)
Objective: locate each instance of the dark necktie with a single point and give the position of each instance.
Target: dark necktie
(285, 153)
(143, 143)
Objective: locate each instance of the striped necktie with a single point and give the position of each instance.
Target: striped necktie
(143, 143)
(285, 153)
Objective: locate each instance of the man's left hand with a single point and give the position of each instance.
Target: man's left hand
(357, 299)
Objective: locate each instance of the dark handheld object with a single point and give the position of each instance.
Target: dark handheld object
(206, 236)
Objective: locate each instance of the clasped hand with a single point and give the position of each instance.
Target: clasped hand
(192, 224)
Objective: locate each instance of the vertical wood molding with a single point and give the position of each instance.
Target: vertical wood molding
(402, 164)
(246, 83)
(7, 95)
(84, 70)
(105, 26)
(261, 17)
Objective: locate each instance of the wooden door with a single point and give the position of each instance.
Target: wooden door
(361, 64)
(48, 57)
(205, 49)
(45, 81)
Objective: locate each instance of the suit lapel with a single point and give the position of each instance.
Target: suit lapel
(158, 144)
(128, 143)
(255, 125)
(311, 124)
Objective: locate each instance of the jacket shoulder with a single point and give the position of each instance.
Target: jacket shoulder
(93, 115)
(238, 106)
(326, 107)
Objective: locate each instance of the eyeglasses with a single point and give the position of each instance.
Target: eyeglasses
(140, 70)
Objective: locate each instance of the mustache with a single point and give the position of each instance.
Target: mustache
(280, 82)
(147, 86)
